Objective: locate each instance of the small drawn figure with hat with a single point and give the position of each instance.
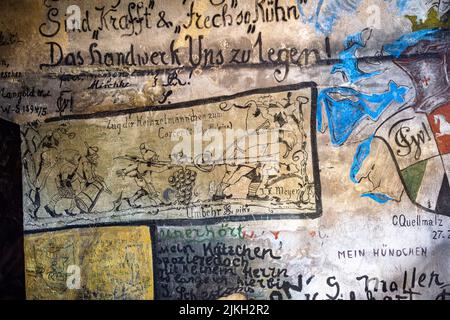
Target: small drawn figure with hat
(40, 156)
(144, 165)
(93, 185)
(78, 181)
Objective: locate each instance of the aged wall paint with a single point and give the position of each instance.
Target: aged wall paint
(241, 158)
(96, 263)
(368, 80)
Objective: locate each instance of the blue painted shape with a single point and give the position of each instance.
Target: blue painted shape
(362, 152)
(402, 5)
(349, 65)
(327, 13)
(344, 115)
(397, 47)
(378, 197)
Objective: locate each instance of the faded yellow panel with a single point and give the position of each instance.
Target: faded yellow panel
(114, 263)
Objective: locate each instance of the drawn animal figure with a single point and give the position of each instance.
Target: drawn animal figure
(444, 126)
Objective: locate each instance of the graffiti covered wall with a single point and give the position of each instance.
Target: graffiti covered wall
(282, 149)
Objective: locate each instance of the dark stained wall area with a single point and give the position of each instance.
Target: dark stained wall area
(12, 282)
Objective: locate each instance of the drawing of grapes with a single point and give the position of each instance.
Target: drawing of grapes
(183, 181)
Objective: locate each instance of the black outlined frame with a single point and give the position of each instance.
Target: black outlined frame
(198, 103)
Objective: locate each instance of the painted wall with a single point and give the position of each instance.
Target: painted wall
(195, 149)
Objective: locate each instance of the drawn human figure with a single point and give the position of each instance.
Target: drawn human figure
(40, 162)
(287, 119)
(234, 174)
(92, 184)
(141, 171)
(294, 159)
(40, 156)
(64, 181)
(78, 181)
(257, 115)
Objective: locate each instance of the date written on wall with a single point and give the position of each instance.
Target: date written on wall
(439, 230)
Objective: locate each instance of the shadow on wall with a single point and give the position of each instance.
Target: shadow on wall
(12, 273)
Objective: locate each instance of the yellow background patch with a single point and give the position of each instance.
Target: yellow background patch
(114, 263)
